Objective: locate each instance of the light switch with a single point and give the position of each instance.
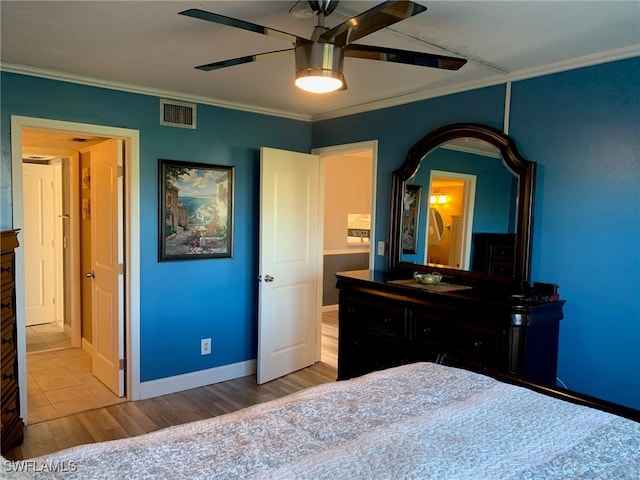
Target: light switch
(380, 248)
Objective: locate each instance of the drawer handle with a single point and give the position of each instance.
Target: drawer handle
(11, 411)
(7, 377)
(5, 305)
(5, 270)
(478, 343)
(426, 330)
(388, 320)
(7, 340)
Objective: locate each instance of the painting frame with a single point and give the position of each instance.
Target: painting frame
(199, 223)
(410, 218)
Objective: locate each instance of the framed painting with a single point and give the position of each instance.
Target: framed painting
(410, 218)
(195, 210)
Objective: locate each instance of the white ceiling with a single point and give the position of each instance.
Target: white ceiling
(146, 46)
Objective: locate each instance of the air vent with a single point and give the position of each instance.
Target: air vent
(177, 114)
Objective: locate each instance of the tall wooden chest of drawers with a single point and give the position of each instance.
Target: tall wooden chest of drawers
(12, 424)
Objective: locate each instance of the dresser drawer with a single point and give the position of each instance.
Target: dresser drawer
(498, 268)
(6, 266)
(370, 313)
(366, 343)
(501, 253)
(482, 347)
(8, 340)
(6, 304)
(10, 408)
(428, 330)
(9, 373)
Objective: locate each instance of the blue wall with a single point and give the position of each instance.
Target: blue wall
(180, 302)
(583, 129)
(581, 126)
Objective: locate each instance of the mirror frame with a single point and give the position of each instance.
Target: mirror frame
(523, 169)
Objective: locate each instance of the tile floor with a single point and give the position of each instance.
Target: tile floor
(48, 336)
(60, 383)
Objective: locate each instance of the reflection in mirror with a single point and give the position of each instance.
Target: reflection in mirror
(494, 215)
(471, 191)
(411, 219)
(436, 227)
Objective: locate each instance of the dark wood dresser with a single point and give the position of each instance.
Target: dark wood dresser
(384, 323)
(12, 424)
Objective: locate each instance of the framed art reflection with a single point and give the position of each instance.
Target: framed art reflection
(410, 218)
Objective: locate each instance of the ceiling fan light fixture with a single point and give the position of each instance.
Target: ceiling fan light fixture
(319, 67)
(319, 81)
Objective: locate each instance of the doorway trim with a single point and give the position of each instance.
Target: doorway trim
(131, 240)
(347, 148)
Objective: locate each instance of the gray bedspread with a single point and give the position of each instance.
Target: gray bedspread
(417, 421)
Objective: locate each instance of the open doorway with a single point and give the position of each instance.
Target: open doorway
(450, 204)
(38, 137)
(65, 376)
(348, 202)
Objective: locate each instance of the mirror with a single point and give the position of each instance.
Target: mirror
(474, 218)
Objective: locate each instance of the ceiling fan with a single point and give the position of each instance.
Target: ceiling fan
(319, 60)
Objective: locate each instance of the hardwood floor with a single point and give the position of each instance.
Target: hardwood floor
(135, 418)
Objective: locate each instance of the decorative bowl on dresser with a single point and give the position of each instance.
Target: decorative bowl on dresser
(12, 424)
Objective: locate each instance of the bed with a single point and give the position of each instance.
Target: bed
(415, 421)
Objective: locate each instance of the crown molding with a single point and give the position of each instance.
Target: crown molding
(498, 79)
(132, 88)
(424, 93)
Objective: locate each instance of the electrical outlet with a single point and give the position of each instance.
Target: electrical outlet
(205, 346)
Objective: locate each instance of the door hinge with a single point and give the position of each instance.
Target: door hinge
(123, 364)
(120, 171)
(121, 268)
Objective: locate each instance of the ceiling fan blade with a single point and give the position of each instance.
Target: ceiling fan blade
(248, 59)
(234, 22)
(374, 19)
(403, 56)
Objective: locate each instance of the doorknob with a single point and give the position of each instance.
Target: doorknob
(268, 278)
(90, 275)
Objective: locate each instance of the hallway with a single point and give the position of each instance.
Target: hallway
(59, 378)
(60, 383)
(45, 337)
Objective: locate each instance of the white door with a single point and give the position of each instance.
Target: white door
(289, 269)
(106, 258)
(39, 247)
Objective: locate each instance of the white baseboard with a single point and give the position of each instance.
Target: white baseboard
(87, 346)
(178, 383)
(330, 308)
